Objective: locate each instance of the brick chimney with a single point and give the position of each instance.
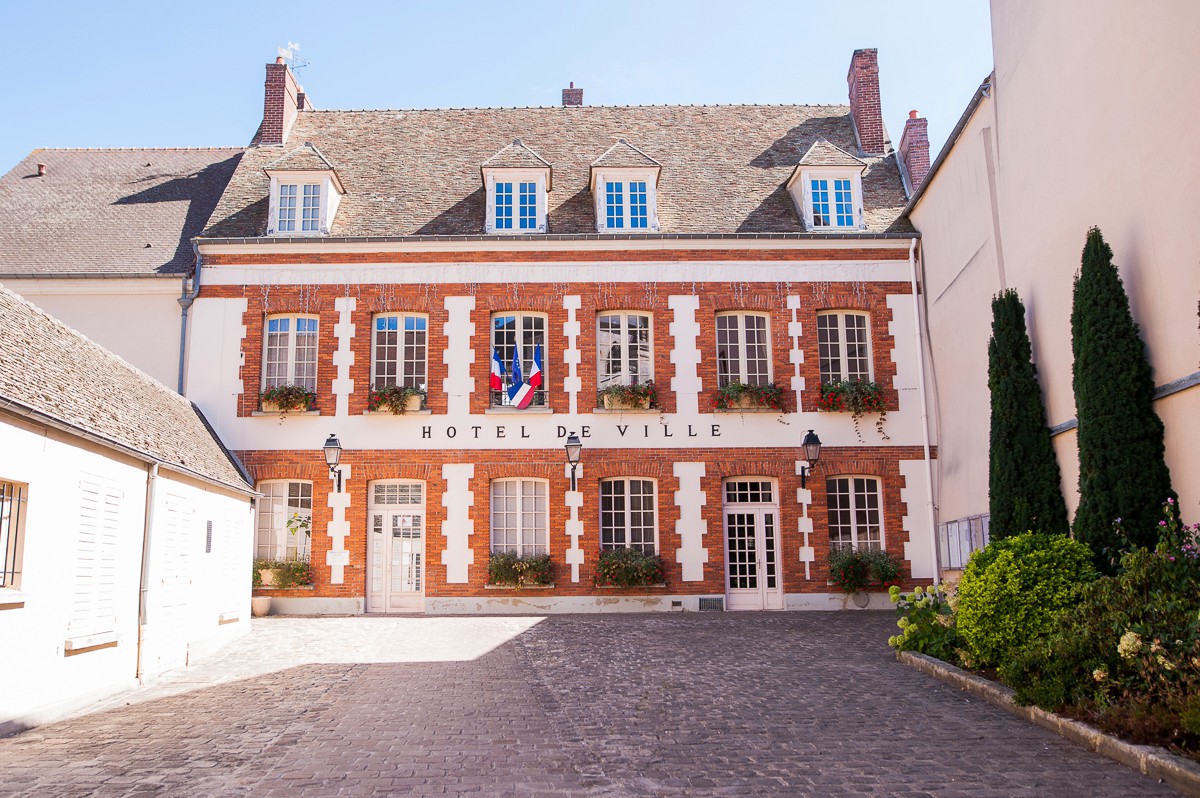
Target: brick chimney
(863, 81)
(914, 149)
(572, 95)
(280, 104)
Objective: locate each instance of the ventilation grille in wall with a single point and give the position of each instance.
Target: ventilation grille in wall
(712, 604)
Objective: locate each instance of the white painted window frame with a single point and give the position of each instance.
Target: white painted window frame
(742, 368)
(801, 192)
(400, 347)
(522, 548)
(291, 348)
(842, 359)
(330, 200)
(266, 508)
(526, 365)
(628, 544)
(625, 175)
(515, 176)
(14, 499)
(855, 539)
(624, 378)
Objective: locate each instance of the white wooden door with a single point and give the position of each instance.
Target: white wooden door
(751, 527)
(396, 549)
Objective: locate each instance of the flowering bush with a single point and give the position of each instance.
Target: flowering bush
(631, 395)
(1012, 589)
(768, 396)
(509, 569)
(926, 621)
(288, 573)
(290, 397)
(1126, 655)
(856, 570)
(856, 397)
(393, 398)
(628, 568)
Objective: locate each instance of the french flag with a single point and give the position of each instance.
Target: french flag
(497, 378)
(520, 393)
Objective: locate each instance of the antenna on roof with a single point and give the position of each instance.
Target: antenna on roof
(290, 55)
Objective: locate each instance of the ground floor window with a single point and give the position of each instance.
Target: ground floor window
(854, 514)
(520, 517)
(12, 516)
(284, 526)
(627, 515)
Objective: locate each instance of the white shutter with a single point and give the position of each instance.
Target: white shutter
(93, 607)
(175, 560)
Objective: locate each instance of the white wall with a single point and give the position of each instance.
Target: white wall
(136, 318)
(38, 679)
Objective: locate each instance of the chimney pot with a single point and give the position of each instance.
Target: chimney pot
(912, 114)
(279, 59)
(41, 170)
(572, 95)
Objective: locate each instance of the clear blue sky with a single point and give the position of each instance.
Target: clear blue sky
(134, 74)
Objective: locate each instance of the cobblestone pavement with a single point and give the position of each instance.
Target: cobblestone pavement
(792, 704)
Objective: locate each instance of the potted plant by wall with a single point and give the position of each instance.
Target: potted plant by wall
(508, 569)
(739, 396)
(857, 571)
(856, 397)
(259, 605)
(629, 397)
(397, 399)
(628, 568)
(288, 398)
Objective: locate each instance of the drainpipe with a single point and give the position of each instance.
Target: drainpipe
(151, 486)
(185, 302)
(912, 267)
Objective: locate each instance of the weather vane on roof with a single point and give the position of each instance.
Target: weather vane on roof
(291, 55)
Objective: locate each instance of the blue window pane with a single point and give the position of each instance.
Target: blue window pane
(843, 203)
(504, 206)
(820, 203)
(306, 325)
(278, 325)
(638, 216)
(528, 206)
(614, 201)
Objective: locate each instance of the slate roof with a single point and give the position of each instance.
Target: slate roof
(624, 154)
(58, 372)
(416, 172)
(306, 158)
(95, 211)
(516, 156)
(823, 153)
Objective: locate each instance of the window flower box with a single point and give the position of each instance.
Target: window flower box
(282, 574)
(509, 569)
(641, 396)
(739, 396)
(856, 397)
(397, 399)
(287, 399)
(859, 570)
(629, 568)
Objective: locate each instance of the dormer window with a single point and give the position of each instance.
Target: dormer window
(516, 180)
(625, 185)
(826, 187)
(305, 193)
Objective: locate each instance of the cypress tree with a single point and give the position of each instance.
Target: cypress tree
(1024, 491)
(1122, 470)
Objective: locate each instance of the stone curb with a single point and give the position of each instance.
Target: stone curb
(1155, 762)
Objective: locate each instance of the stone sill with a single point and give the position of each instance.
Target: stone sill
(273, 589)
(514, 411)
(522, 587)
(11, 599)
(613, 411)
(424, 411)
(748, 410)
(280, 413)
(634, 587)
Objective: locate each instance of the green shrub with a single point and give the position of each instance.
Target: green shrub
(509, 569)
(628, 568)
(1011, 590)
(288, 573)
(1127, 653)
(927, 622)
(856, 570)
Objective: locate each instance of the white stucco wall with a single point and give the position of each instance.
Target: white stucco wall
(38, 680)
(135, 318)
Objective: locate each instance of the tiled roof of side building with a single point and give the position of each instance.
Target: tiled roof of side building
(416, 172)
(126, 212)
(59, 373)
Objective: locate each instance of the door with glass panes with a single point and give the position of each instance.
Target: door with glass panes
(751, 528)
(396, 547)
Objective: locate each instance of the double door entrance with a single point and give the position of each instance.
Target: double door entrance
(751, 527)
(396, 548)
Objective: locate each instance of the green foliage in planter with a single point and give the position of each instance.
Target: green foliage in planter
(1126, 654)
(856, 570)
(631, 394)
(768, 395)
(1024, 492)
(628, 568)
(393, 398)
(1011, 590)
(509, 569)
(288, 573)
(290, 397)
(1122, 470)
(926, 623)
(858, 398)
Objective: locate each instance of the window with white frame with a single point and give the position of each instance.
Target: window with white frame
(309, 197)
(855, 518)
(526, 331)
(523, 195)
(627, 517)
(623, 347)
(520, 517)
(290, 352)
(843, 346)
(626, 205)
(400, 351)
(743, 350)
(284, 523)
(832, 202)
(12, 525)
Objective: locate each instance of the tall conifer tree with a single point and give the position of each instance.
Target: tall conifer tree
(1024, 491)
(1122, 470)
